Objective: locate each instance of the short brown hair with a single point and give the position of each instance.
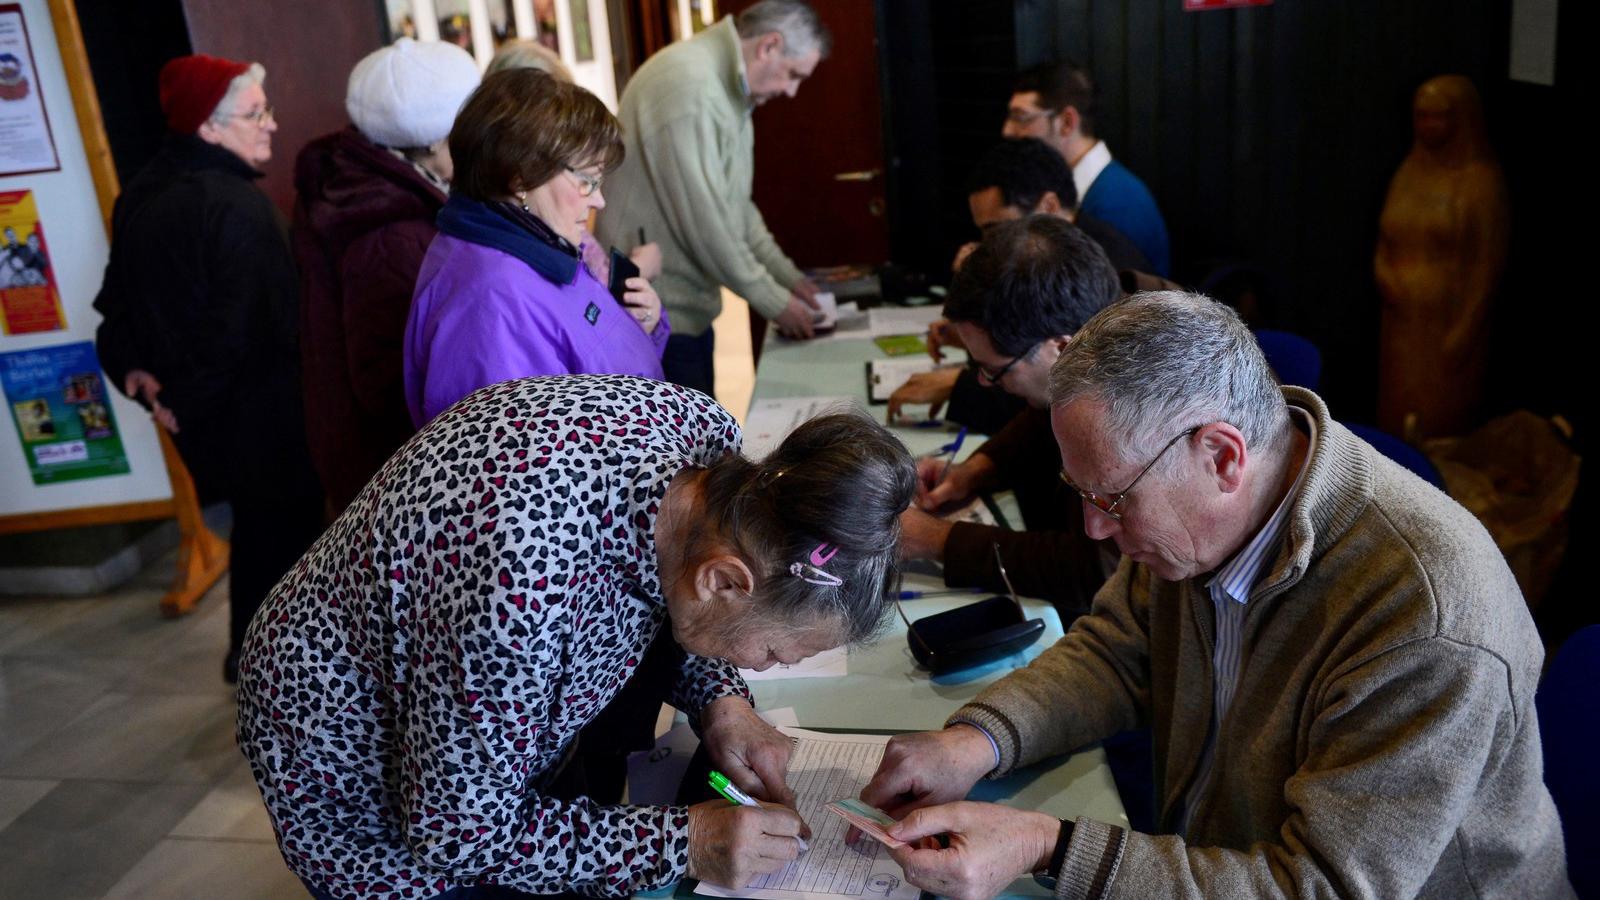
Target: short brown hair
(1060, 85)
(522, 126)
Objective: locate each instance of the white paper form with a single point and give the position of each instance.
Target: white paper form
(770, 421)
(888, 320)
(827, 664)
(885, 376)
(654, 774)
(824, 768)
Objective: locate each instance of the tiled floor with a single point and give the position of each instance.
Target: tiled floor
(119, 776)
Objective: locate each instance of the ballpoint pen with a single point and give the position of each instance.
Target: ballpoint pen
(918, 595)
(952, 448)
(730, 792)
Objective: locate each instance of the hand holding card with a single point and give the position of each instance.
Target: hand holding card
(871, 821)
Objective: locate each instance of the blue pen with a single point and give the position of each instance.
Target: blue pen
(918, 595)
(952, 448)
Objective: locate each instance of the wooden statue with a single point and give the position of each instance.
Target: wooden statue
(1441, 249)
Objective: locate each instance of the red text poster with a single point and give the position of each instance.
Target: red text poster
(29, 300)
(1197, 5)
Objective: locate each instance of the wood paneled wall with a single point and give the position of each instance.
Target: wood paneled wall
(308, 48)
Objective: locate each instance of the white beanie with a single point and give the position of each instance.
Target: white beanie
(408, 93)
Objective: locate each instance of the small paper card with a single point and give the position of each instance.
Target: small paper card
(871, 821)
(901, 344)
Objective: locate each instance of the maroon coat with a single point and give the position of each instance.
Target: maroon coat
(363, 220)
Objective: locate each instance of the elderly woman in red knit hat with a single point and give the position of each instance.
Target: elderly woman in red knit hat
(200, 305)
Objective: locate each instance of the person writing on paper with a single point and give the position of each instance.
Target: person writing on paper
(503, 291)
(690, 166)
(1014, 179)
(410, 694)
(1015, 304)
(1336, 661)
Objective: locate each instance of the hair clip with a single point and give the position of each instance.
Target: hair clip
(766, 480)
(815, 576)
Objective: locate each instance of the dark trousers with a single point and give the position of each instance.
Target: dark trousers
(691, 361)
(252, 453)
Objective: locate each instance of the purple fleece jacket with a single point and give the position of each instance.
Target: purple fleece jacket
(481, 316)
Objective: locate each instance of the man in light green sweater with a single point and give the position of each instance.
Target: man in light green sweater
(1334, 658)
(686, 181)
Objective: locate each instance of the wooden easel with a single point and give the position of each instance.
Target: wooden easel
(202, 556)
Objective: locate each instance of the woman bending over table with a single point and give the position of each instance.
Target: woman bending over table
(411, 691)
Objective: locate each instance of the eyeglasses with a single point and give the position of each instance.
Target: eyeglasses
(993, 378)
(587, 184)
(259, 118)
(1018, 117)
(1108, 503)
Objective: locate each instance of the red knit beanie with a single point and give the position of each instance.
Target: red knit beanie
(192, 86)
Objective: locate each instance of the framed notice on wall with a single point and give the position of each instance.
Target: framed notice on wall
(26, 145)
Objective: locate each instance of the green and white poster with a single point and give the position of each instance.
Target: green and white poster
(58, 402)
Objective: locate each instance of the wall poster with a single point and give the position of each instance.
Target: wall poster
(63, 417)
(26, 144)
(29, 299)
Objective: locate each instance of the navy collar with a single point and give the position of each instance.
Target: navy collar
(478, 223)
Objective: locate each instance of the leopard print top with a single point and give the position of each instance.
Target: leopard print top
(408, 686)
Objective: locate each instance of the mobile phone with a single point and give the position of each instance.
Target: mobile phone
(622, 268)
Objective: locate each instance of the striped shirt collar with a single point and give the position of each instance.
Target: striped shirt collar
(1240, 574)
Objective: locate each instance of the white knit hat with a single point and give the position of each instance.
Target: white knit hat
(408, 93)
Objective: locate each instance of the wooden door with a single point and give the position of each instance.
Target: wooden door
(819, 155)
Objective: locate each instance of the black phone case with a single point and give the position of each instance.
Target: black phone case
(622, 268)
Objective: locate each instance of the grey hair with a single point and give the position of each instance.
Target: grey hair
(529, 54)
(229, 104)
(800, 26)
(1163, 361)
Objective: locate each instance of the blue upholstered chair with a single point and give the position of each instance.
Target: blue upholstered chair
(1569, 725)
(1296, 360)
(1399, 451)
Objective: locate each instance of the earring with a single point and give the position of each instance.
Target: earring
(523, 199)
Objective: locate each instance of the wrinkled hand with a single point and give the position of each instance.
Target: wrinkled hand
(641, 302)
(753, 754)
(932, 388)
(807, 290)
(922, 536)
(648, 258)
(141, 385)
(962, 252)
(990, 846)
(795, 320)
(958, 486)
(730, 845)
(941, 334)
(928, 768)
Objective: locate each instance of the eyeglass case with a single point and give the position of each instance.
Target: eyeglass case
(971, 635)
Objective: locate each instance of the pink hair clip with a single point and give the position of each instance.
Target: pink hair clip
(812, 572)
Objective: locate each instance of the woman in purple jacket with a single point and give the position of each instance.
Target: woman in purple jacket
(503, 292)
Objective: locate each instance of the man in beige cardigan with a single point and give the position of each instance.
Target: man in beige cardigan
(690, 165)
(1335, 660)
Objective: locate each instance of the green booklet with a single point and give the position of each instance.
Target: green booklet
(901, 344)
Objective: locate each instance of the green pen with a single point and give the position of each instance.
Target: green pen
(730, 792)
